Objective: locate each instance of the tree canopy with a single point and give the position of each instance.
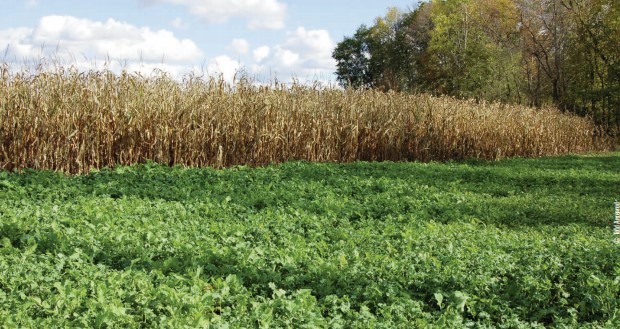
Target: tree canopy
(535, 52)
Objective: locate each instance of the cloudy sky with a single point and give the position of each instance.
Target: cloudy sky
(266, 38)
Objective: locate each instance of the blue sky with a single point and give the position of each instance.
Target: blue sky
(266, 38)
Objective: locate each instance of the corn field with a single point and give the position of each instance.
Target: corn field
(74, 121)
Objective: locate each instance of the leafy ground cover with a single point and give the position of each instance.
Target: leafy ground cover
(516, 243)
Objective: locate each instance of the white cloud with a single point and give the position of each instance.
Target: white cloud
(92, 39)
(15, 43)
(315, 45)
(114, 39)
(305, 53)
(261, 53)
(261, 14)
(179, 23)
(87, 44)
(225, 66)
(32, 3)
(286, 57)
(84, 43)
(240, 46)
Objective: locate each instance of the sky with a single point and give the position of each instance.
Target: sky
(267, 39)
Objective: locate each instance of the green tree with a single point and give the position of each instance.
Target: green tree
(471, 49)
(352, 57)
(594, 61)
(573, 51)
(392, 63)
(385, 55)
(545, 28)
(537, 52)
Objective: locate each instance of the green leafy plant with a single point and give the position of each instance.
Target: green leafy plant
(512, 243)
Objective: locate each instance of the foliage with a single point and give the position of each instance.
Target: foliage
(520, 243)
(561, 52)
(353, 63)
(471, 53)
(386, 55)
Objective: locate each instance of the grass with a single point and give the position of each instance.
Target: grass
(518, 243)
(74, 121)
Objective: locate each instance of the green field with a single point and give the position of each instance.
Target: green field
(516, 243)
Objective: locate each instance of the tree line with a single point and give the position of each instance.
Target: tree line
(534, 52)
